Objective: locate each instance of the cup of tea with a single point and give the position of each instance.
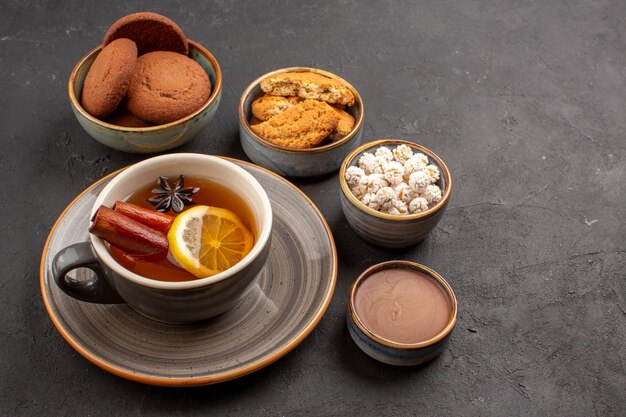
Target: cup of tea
(186, 283)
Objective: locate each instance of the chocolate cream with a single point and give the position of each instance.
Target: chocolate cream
(402, 305)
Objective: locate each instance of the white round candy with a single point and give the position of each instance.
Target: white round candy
(418, 179)
(417, 205)
(373, 182)
(385, 197)
(367, 161)
(400, 206)
(394, 173)
(402, 153)
(370, 201)
(432, 194)
(403, 192)
(353, 175)
(384, 153)
(415, 163)
(433, 173)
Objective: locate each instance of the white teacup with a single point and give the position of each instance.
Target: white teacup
(172, 302)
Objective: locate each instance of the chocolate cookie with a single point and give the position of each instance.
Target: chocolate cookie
(150, 31)
(108, 78)
(167, 86)
(301, 127)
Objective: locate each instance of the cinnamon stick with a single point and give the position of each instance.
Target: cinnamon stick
(132, 237)
(153, 219)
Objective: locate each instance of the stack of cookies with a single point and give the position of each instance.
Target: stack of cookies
(143, 76)
(302, 110)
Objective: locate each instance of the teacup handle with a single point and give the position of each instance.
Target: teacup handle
(95, 289)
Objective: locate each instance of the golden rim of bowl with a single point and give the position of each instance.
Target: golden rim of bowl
(215, 93)
(108, 366)
(246, 125)
(415, 267)
(445, 172)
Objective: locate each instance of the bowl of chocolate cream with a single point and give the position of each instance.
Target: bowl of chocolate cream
(401, 313)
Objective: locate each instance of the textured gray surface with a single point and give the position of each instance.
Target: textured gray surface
(523, 99)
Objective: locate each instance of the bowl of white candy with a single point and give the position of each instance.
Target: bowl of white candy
(394, 192)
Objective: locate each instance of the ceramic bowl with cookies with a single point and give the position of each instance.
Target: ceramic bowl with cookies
(300, 121)
(394, 192)
(147, 88)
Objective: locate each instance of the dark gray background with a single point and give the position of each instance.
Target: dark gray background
(525, 100)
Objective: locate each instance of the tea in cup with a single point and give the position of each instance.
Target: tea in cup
(174, 280)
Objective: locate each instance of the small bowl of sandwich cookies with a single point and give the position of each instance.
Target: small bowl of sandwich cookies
(299, 121)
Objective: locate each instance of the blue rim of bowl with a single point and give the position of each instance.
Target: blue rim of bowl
(399, 264)
(215, 93)
(246, 125)
(395, 217)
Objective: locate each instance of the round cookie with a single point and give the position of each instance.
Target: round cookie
(108, 78)
(303, 126)
(167, 86)
(122, 117)
(344, 126)
(265, 107)
(150, 31)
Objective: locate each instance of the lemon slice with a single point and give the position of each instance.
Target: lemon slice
(207, 240)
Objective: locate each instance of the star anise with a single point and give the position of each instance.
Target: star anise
(174, 197)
